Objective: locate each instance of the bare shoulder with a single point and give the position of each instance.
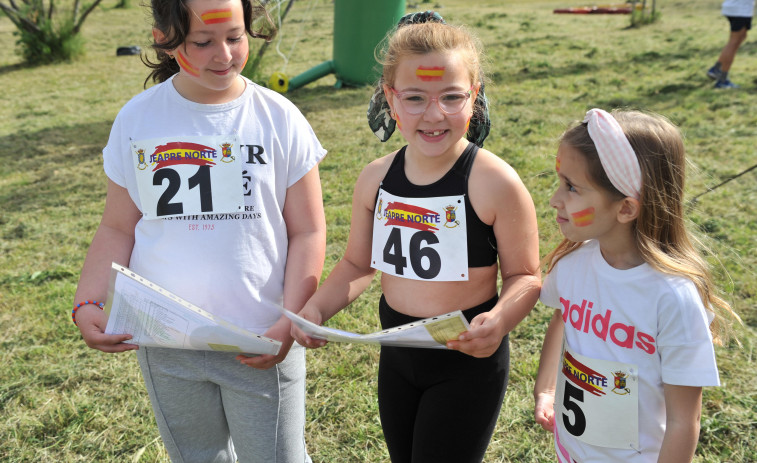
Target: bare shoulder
(493, 171)
(378, 167)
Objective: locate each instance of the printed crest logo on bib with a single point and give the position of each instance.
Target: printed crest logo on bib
(141, 164)
(226, 152)
(620, 383)
(188, 175)
(584, 409)
(451, 222)
(378, 209)
(420, 238)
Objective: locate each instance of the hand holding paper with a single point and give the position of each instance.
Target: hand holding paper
(432, 333)
(155, 317)
(483, 337)
(301, 336)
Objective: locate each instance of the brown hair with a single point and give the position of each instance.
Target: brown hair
(172, 18)
(659, 231)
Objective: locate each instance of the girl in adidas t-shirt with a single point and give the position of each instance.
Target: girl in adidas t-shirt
(630, 344)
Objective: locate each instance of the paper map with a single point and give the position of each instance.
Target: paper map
(433, 332)
(156, 317)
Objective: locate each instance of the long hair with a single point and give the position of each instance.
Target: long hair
(172, 18)
(659, 231)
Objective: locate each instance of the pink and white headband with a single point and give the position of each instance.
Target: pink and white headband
(615, 152)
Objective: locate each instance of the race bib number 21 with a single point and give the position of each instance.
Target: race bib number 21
(179, 176)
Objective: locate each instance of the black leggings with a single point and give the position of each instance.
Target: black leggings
(439, 405)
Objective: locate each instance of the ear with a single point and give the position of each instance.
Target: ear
(629, 210)
(158, 36)
(389, 100)
(476, 89)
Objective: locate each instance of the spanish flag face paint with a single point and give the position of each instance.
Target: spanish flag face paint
(186, 65)
(429, 73)
(430, 131)
(557, 164)
(214, 52)
(216, 16)
(583, 218)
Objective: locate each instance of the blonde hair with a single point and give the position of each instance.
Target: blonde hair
(429, 37)
(659, 231)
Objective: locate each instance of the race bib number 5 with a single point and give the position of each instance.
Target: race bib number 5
(597, 401)
(420, 238)
(179, 176)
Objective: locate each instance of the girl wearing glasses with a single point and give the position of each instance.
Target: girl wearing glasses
(439, 217)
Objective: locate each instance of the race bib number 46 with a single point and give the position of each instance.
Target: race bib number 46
(179, 176)
(597, 401)
(420, 238)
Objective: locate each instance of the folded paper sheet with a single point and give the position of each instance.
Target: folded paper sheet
(156, 317)
(433, 332)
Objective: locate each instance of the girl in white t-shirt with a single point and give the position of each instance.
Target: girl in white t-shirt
(630, 344)
(214, 195)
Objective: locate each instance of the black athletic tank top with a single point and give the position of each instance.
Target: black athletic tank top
(482, 244)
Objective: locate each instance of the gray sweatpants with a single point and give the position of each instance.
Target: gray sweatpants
(205, 400)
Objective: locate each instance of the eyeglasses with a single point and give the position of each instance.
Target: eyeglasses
(417, 102)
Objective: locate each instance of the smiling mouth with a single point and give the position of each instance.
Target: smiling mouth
(434, 133)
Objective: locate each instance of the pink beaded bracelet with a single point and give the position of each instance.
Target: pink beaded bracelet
(76, 307)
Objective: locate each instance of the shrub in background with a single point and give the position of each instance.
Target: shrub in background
(44, 34)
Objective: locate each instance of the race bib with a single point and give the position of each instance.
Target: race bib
(597, 401)
(179, 176)
(420, 238)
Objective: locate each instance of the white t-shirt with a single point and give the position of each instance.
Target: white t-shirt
(637, 316)
(738, 8)
(230, 264)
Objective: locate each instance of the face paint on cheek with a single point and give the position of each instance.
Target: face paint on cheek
(397, 120)
(245, 60)
(583, 218)
(216, 16)
(557, 164)
(428, 74)
(186, 65)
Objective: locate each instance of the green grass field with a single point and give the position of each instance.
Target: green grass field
(62, 402)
